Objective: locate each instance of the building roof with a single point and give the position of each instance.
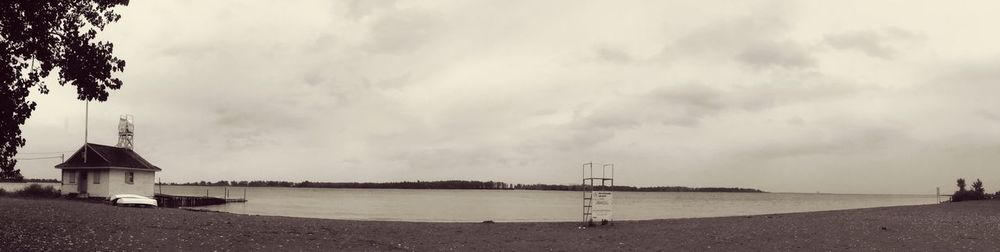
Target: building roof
(103, 156)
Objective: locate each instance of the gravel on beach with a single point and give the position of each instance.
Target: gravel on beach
(58, 224)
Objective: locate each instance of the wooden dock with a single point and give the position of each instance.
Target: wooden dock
(164, 200)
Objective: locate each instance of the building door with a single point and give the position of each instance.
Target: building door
(82, 182)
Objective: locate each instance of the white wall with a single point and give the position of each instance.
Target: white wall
(111, 182)
(98, 190)
(68, 187)
(104, 189)
(143, 183)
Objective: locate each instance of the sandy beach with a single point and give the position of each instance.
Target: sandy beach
(44, 224)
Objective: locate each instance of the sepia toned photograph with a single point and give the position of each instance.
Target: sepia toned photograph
(499, 125)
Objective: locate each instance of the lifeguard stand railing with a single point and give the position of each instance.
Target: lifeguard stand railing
(597, 189)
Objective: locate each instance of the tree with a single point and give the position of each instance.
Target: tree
(961, 185)
(37, 37)
(977, 188)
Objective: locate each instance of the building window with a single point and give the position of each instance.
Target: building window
(129, 177)
(72, 177)
(97, 177)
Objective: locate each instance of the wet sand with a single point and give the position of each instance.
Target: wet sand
(55, 224)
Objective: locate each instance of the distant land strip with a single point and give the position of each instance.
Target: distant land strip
(32, 180)
(461, 184)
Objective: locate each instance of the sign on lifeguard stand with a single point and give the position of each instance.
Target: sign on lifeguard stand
(603, 204)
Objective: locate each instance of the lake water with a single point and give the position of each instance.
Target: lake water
(522, 205)
(515, 205)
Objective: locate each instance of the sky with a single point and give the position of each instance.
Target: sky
(783, 96)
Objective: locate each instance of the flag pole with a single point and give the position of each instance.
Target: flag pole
(86, 129)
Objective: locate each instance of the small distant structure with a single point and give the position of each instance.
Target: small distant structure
(97, 170)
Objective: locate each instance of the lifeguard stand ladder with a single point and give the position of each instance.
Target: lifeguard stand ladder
(592, 184)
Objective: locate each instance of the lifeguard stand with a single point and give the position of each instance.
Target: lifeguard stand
(599, 187)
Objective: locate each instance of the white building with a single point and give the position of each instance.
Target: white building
(103, 171)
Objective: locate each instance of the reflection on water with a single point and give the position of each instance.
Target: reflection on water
(521, 205)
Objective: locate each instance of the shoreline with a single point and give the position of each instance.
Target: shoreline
(445, 189)
(469, 189)
(55, 224)
(201, 209)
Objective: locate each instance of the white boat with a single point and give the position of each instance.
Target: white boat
(132, 200)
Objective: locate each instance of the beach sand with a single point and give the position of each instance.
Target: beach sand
(55, 224)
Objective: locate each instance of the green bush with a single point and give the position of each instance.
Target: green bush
(37, 191)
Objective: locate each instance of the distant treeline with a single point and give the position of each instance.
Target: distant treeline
(636, 189)
(460, 184)
(41, 180)
(33, 180)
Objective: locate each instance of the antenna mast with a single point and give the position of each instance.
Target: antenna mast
(126, 130)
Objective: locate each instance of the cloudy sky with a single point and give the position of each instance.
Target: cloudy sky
(787, 96)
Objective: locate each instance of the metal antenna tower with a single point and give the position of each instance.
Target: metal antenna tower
(125, 131)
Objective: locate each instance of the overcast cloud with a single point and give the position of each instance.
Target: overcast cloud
(831, 96)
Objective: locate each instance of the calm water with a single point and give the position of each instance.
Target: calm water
(516, 205)
(520, 205)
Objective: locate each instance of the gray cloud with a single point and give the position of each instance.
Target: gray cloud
(874, 43)
(730, 35)
(686, 105)
(363, 8)
(787, 55)
(677, 105)
(758, 39)
(990, 115)
(613, 55)
(402, 31)
(257, 124)
(838, 141)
